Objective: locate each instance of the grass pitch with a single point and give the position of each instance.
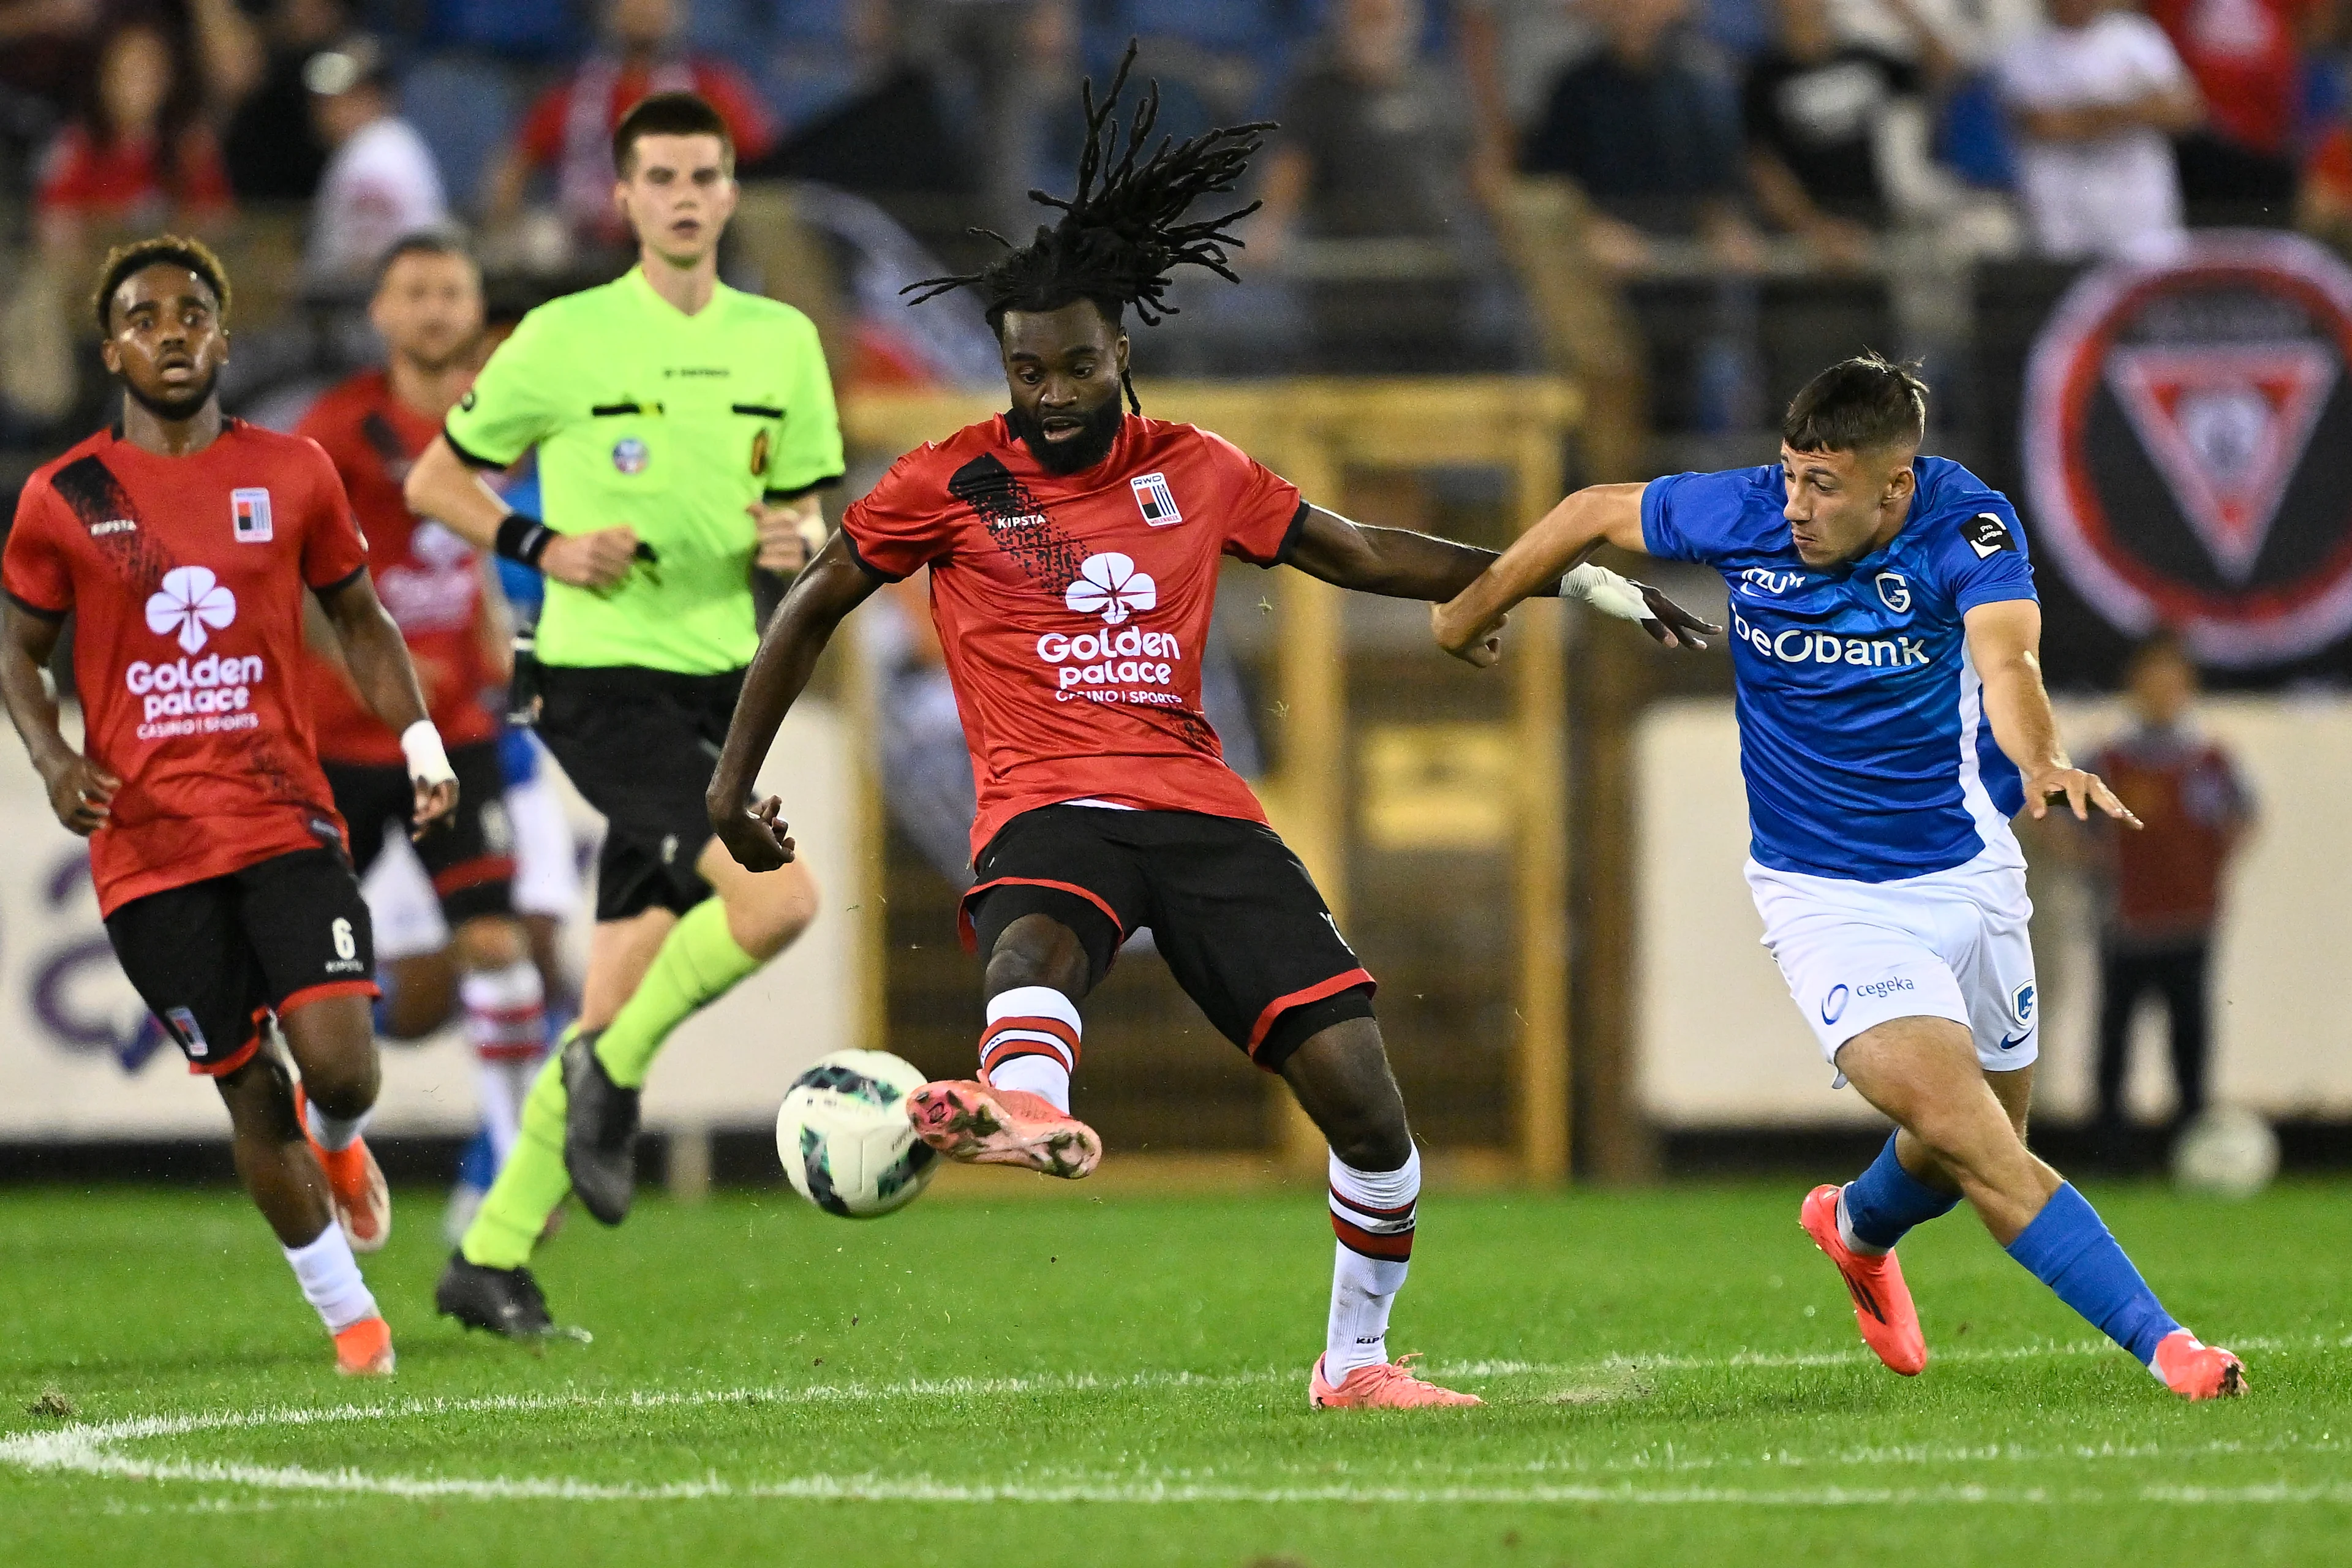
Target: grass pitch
(1672, 1377)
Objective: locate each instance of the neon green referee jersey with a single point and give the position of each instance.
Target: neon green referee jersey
(672, 425)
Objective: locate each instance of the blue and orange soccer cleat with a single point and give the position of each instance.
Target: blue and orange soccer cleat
(970, 1121)
(2196, 1370)
(1882, 1302)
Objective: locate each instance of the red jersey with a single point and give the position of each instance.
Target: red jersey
(2168, 876)
(185, 577)
(1073, 609)
(429, 579)
(2247, 58)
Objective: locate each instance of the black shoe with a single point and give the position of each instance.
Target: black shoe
(600, 1132)
(503, 1301)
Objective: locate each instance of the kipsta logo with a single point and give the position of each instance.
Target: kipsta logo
(1109, 586)
(190, 600)
(2187, 445)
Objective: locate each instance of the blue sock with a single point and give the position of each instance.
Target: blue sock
(2068, 1247)
(1887, 1200)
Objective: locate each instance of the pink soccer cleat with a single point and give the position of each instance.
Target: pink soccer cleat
(2195, 1371)
(355, 1186)
(967, 1120)
(365, 1349)
(1383, 1385)
(1882, 1302)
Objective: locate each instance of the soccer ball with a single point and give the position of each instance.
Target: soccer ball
(845, 1139)
(2228, 1152)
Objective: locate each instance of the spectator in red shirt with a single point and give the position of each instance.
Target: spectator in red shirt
(570, 129)
(2246, 56)
(2165, 882)
(140, 154)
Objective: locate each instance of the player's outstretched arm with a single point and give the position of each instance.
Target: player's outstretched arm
(1402, 564)
(377, 661)
(81, 792)
(2005, 646)
(826, 590)
(1550, 558)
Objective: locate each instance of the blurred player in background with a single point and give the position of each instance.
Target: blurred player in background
(682, 431)
(427, 308)
(2164, 883)
(1886, 642)
(185, 544)
(1073, 553)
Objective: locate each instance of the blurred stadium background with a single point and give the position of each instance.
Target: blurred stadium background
(1510, 246)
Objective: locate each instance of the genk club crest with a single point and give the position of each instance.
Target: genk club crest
(2188, 443)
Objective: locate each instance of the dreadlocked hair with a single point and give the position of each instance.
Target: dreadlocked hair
(1123, 232)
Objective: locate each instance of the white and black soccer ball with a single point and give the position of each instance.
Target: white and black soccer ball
(2228, 1152)
(845, 1139)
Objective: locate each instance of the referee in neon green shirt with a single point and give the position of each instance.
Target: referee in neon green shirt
(683, 429)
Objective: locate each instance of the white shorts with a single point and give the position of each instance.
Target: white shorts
(406, 912)
(1952, 944)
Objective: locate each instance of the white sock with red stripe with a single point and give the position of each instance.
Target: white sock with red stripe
(1373, 1214)
(330, 1279)
(1030, 1043)
(506, 1022)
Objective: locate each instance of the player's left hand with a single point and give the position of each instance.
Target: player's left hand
(791, 533)
(434, 804)
(756, 835)
(2082, 790)
(1669, 623)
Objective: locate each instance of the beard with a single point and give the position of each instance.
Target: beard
(1090, 446)
(181, 405)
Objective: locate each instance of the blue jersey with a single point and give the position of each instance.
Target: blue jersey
(1862, 728)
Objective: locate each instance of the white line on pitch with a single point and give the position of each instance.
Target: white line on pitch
(89, 1449)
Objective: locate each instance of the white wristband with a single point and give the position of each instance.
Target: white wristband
(428, 759)
(1606, 591)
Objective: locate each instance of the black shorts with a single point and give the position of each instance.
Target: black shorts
(470, 857)
(211, 958)
(640, 746)
(1230, 908)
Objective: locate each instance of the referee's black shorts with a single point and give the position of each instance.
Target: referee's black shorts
(1230, 908)
(640, 746)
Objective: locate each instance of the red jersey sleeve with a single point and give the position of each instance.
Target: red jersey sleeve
(333, 548)
(901, 525)
(32, 569)
(1261, 507)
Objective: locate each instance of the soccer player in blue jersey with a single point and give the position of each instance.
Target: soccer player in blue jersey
(1891, 719)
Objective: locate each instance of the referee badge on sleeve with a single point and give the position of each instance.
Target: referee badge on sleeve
(759, 453)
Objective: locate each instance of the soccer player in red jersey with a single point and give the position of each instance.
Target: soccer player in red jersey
(182, 542)
(1073, 551)
(427, 307)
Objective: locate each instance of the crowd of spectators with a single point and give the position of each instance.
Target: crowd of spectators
(1679, 136)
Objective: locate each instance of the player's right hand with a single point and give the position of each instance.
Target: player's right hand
(1478, 645)
(756, 834)
(597, 560)
(82, 794)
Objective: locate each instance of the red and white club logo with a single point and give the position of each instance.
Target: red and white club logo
(2187, 441)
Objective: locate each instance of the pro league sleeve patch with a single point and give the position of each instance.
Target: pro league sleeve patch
(1988, 535)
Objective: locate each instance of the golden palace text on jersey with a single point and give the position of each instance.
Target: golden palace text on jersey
(186, 577)
(1072, 608)
(1863, 734)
